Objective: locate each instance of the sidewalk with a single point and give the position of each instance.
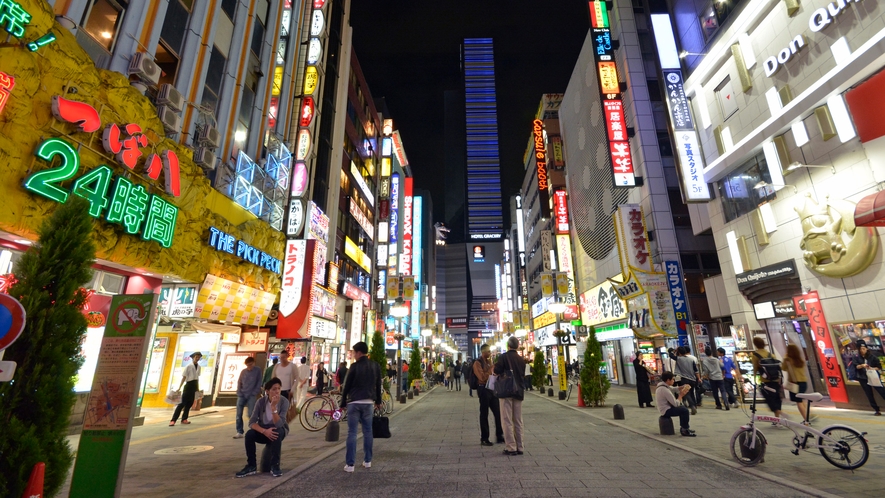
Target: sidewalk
(202, 458)
(435, 452)
(715, 427)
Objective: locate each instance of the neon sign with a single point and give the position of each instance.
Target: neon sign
(14, 17)
(598, 15)
(405, 262)
(394, 207)
(6, 84)
(541, 165)
(307, 111)
(228, 243)
(126, 203)
(560, 211)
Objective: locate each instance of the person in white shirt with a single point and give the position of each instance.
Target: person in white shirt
(670, 405)
(288, 375)
(303, 378)
(190, 379)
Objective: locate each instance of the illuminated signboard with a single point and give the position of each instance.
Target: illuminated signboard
(360, 218)
(394, 209)
(560, 211)
(293, 276)
(417, 261)
(314, 51)
(367, 192)
(382, 255)
(541, 167)
(303, 147)
(556, 147)
(318, 22)
(357, 255)
(126, 203)
(225, 242)
(479, 254)
(399, 150)
(296, 217)
(615, 123)
(262, 189)
(598, 15)
(6, 84)
(307, 111)
(386, 147)
(311, 80)
(299, 179)
(608, 78)
(691, 166)
(405, 260)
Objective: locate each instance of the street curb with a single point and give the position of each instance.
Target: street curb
(286, 477)
(728, 463)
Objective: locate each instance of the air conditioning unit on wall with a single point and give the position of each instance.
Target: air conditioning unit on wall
(170, 97)
(205, 158)
(171, 120)
(145, 68)
(209, 136)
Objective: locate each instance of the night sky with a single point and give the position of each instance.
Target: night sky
(409, 53)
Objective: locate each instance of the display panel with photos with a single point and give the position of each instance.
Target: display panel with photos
(845, 337)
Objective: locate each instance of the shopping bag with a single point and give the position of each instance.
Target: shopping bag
(873, 378)
(380, 427)
(490, 384)
(173, 398)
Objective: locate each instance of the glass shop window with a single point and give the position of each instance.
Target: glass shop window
(102, 20)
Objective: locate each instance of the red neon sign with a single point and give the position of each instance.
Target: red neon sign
(406, 255)
(614, 120)
(307, 111)
(560, 211)
(6, 84)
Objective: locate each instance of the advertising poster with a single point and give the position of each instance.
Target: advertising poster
(205, 343)
(101, 454)
(155, 365)
(230, 373)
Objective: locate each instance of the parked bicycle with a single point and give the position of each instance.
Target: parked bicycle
(573, 380)
(318, 411)
(840, 445)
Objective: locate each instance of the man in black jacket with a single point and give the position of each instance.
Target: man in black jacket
(361, 395)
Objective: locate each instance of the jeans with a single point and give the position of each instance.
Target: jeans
(681, 412)
(511, 416)
(457, 382)
(254, 436)
(729, 388)
(241, 402)
(187, 400)
(487, 400)
(719, 386)
(868, 390)
(359, 413)
(690, 395)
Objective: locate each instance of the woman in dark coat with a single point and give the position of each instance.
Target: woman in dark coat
(643, 389)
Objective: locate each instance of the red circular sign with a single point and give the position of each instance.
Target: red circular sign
(125, 322)
(12, 320)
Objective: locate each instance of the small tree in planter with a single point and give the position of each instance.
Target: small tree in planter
(414, 366)
(377, 353)
(539, 371)
(594, 385)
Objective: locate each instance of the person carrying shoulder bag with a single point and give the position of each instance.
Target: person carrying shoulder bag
(511, 407)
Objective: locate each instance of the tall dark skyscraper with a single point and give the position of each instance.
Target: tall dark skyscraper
(484, 211)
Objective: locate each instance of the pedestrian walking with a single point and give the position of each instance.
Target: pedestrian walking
(248, 389)
(769, 369)
(457, 375)
(321, 378)
(549, 372)
(699, 388)
(482, 368)
(267, 425)
(511, 408)
(360, 396)
(268, 372)
(341, 373)
(869, 369)
(687, 371)
(288, 375)
(712, 371)
(528, 377)
(190, 379)
(643, 386)
(450, 376)
(669, 400)
(303, 382)
(794, 365)
(729, 375)
(468, 365)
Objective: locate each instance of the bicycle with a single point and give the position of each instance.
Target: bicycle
(573, 380)
(318, 411)
(836, 443)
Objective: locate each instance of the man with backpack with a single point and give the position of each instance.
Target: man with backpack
(769, 370)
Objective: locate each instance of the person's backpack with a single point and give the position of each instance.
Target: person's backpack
(770, 367)
(471, 379)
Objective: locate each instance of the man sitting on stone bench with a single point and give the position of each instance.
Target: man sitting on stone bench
(670, 405)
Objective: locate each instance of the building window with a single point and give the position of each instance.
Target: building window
(229, 7)
(743, 190)
(214, 77)
(102, 20)
(107, 283)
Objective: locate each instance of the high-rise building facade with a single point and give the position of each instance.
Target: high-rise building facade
(484, 211)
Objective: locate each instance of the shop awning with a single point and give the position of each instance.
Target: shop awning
(870, 211)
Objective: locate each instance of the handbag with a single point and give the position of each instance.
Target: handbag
(505, 385)
(873, 378)
(380, 427)
(789, 385)
(292, 412)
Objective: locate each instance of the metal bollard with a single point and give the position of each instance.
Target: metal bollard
(411, 394)
(618, 412)
(332, 431)
(665, 425)
(264, 465)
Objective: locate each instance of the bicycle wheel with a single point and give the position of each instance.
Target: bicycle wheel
(740, 447)
(316, 413)
(337, 399)
(850, 450)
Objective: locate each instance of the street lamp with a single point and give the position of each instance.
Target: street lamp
(399, 310)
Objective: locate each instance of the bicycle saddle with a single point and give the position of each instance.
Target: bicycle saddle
(815, 397)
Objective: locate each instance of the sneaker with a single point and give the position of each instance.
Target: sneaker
(275, 471)
(171, 423)
(727, 408)
(687, 433)
(367, 465)
(694, 411)
(238, 435)
(486, 443)
(348, 468)
(248, 470)
(878, 413)
(186, 422)
(718, 407)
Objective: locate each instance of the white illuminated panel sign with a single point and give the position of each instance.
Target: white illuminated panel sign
(360, 218)
(314, 51)
(362, 183)
(691, 166)
(318, 22)
(293, 276)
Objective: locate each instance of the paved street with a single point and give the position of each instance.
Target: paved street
(435, 451)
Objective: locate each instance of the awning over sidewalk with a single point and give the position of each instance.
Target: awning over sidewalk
(870, 211)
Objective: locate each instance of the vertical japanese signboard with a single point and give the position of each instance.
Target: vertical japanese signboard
(107, 425)
(560, 211)
(826, 353)
(680, 300)
(610, 90)
(405, 260)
